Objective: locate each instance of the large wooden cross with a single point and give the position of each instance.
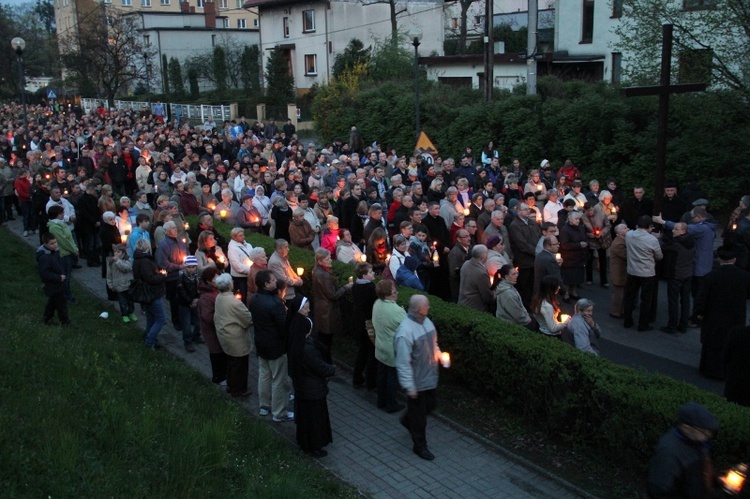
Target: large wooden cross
(663, 90)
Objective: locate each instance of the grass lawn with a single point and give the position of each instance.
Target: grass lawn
(87, 411)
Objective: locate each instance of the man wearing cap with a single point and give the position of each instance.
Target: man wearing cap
(681, 465)
(187, 295)
(721, 305)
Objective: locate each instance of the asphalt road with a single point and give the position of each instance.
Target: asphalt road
(676, 356)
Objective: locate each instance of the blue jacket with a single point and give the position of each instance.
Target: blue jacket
(406, 277)
(50, 268)
(170, 255)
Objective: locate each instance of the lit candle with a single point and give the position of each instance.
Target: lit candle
(248, 262)
(238, 295)
(445, 359)
(223, 213)
(363, 257)
(300, 271)
(735, 479)
(211, 206)
(387, 257)
(184, 240)
(492, 280)
(734, 226)
(538, 218)
(614, 210)
(124, 238)
(564, 317)
(558, 257)
(435, 256)
(65, 192)
(466, 212)
(539, 187)
(186, 225)
(222, 259)
(597, 231)
(351, 279)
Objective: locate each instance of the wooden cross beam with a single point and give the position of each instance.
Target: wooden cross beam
(663, 90)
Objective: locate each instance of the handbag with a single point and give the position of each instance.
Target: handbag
(141, 292)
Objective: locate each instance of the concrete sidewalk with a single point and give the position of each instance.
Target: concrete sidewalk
(371, 451)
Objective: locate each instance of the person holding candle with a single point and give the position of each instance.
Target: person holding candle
(170, 255)
(599, 234)
(363, 297)
(300, 232)
(326, 311)
(416, 359)
(387, 315)
(238, 254)
(233, 321)
(226, 211)
(573, 248)
(187, 294)
(282, 269)
(546, 309)
(346, 250)
(681, 465)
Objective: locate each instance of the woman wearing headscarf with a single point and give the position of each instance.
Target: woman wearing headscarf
(309, 372)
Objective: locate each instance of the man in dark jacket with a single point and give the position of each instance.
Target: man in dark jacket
(50, 268)
(170, 255)
(681, 250)
(524, 236)
(681, 465)
(269, 319)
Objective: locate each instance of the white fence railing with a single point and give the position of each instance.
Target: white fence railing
(179, 111)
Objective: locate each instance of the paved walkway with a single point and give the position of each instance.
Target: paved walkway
(371, 451)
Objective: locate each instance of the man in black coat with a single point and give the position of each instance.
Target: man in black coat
(721, 305)
(635, 207)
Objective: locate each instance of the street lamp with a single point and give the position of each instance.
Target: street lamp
(19, 44)
(416, 35)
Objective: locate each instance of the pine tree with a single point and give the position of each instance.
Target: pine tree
(175, 77)
(279, 83)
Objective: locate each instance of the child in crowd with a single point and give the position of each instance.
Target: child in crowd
(119, 277)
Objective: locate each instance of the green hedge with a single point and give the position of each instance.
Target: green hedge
(610, 411)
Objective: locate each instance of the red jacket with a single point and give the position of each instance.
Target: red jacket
(23, 188)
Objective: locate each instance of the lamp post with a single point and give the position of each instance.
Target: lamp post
(416, 36)
(19, 44)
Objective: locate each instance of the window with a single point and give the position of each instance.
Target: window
(165, 3)
(223, 4)
(699, 4)
(285, 25)
(201, 3)
(617, 8)
(696, 65)
(311, 65)
(308, 21)
(241, 24)
(213, 40)
(587, 21)
(478, 20)
(616, 67)
(145, 3)
(127, 3)
(256, 22)
(240, 3)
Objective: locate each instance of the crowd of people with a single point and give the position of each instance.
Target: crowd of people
(114, 188)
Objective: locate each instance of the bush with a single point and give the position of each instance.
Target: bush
(609, 411)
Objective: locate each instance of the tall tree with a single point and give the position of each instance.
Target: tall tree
(279, 81)
(711, 37)
(250, 68)
(165, 74)
(219, 66)
(111, 54)
(354, 54)
(396, 9)
(175, 77)
(195, 90)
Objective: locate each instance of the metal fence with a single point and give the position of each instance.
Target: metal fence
(181, 112)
